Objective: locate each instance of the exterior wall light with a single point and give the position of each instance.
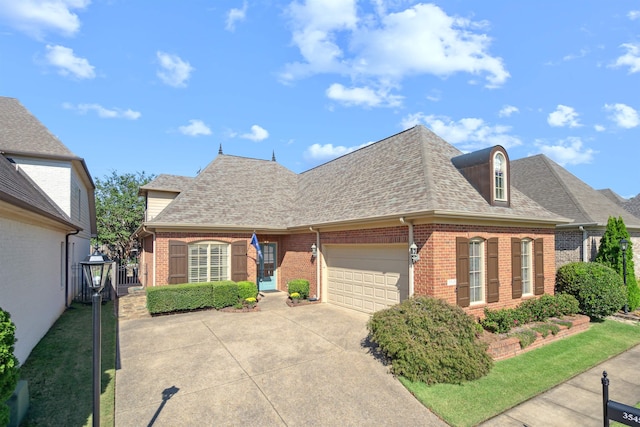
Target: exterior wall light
(314, 250)
(413, 252)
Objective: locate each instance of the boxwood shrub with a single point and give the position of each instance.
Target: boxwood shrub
(431, 341)
(225, 294)
(8, 364)
(599, 289)
(300, 286)
(187, 296)
(247, 290)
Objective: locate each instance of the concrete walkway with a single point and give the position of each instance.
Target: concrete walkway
(280, 366)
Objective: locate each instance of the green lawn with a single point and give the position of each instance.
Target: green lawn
(59, 371)
(515, 380)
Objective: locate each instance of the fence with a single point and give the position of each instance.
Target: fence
(121, 275)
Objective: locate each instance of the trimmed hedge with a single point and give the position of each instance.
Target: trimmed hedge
(192, 296)
(247, 290)
(600, 291)
(300, 286)
(225, 294)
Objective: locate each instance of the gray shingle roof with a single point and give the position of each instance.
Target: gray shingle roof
(165, 182)
(408, 173)
(613, 196)
(21, 132)
(18, 190)
(561, 192)
(633, 205)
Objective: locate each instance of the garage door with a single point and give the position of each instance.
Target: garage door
(367, 278)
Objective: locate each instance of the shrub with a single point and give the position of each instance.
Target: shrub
(8, 364)
(247, 290)
(225, 294)
(187, 296)
(431, 341)
(599, 289)
(300, 286)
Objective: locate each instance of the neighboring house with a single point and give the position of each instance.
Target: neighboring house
(613, 196)
(633, 206)
(348, 226)
(561, 192)
(47, 217)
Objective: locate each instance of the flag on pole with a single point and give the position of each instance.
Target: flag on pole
(255, 244)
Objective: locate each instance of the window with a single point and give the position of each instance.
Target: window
(527, 267)
(476, 271)
(499, 177)
(208, 262)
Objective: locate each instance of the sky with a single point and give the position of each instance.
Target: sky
(159, 86)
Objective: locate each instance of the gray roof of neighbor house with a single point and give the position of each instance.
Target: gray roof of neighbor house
(18, 190)
(613, 196)
(165, 182)
(408, 173)
(561, 192)
(633, 205)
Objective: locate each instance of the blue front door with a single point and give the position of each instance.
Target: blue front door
(268, 267)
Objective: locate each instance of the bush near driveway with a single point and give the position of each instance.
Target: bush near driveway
(431, 341)
(8, 364)
(193, 296)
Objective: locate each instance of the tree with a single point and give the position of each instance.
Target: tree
(610, 254)
(119, 210)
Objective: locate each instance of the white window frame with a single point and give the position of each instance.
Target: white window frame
(526, 265)
(209, 247)
(500, 177)
(476, 271)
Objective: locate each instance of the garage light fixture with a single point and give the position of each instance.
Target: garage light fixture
(314, 250)
(413, 251)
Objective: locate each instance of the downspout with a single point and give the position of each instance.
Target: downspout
(153, 248)
(66, 267)
(318, 296)
(411, 269)
(585, 236)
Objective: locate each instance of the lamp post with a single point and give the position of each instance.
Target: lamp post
(96, 268)
(623, 246)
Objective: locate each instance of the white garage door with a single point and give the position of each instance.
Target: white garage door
(367, 278)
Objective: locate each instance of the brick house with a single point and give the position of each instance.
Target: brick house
(348, 226)
(559, 191)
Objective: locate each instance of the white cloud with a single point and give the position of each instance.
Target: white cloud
(236, 15)
(599, 128)
(257, 134)
(105, 113)
(563, 116)
(422, 39)
(37, 17)
(567, 152)
(507, 111)
(623, 115)
(195, 128)
(630, 59)
(633, 14)
(69, 64)
(318, 152)
(363, 96)
(174, 72)
(468, 133)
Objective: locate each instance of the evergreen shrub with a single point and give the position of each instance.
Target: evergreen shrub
(431, 341)
(186, 296)
(300, 286)
(247, 290)
(599, 289)
(8, 364)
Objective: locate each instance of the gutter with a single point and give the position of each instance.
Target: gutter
(66, 266)
(585, 236)
(153, 248)
(318, 255)
(411, 268)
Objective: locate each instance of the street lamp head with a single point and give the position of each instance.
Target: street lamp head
(96, 268)
(623, 244)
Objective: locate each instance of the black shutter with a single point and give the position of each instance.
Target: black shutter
(462, 272)
(516, 268)
(493, 283)
(239, 261)
(178, 262)
(539, 267)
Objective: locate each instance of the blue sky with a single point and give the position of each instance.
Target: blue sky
(158, 86)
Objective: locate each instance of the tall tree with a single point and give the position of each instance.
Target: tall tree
(610, 254)
(119, 210)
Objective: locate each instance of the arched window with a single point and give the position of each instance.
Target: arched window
(499, 177)
(208, 262)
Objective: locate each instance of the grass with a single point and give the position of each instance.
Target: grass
(515, 380)
(59, 371)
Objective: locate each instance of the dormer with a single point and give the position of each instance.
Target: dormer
(489, 172)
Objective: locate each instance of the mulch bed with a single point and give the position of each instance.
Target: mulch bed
(301, 302)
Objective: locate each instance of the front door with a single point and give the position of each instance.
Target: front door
(268, 267)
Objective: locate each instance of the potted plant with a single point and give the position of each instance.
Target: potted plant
(295, 297)
(250, 302)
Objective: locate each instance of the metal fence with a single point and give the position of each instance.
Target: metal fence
(121, 275)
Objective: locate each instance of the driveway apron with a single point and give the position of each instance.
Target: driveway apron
(280, 366)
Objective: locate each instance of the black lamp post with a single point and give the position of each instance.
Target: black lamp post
(96, 268)
(623, 246)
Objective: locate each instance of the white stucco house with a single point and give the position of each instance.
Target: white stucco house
(47, 218)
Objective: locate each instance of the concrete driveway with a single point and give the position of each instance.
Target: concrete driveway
(280, 366)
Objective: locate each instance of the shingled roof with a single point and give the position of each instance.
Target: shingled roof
(633, 205)
(18, 190)
(165, 182)
(408, 173)
(613, 196)
(561, 192)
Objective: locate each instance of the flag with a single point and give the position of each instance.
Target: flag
(255, 244)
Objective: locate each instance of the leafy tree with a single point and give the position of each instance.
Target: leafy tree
(8, 364)
(610, 254)
(119, 210)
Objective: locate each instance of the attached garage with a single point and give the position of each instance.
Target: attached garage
(367, 277)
